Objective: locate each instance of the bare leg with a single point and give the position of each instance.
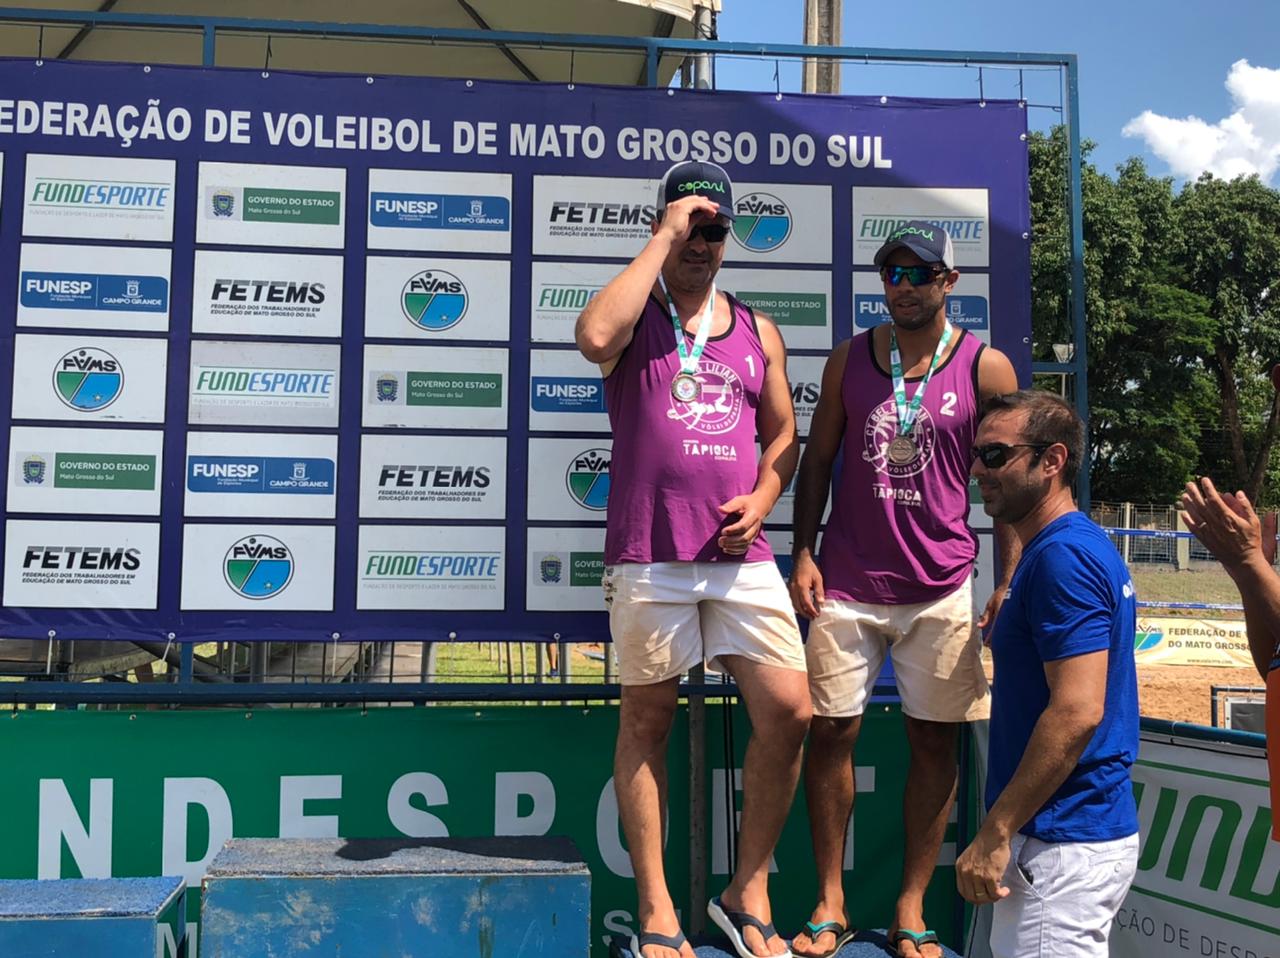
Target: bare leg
(777, 701)
(926, 805)
(829, 792)
(640, 780)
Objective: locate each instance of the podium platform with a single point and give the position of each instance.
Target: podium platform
(871, 943)
(103, 917)
(412, 898)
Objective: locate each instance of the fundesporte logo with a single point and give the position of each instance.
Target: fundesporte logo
(88, 379)
(434, 300)
(587, 478)
(762, 222)
(258, 567)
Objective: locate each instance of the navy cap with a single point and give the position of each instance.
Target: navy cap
(931, 243)
(697, 178)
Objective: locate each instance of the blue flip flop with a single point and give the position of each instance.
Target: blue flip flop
(732, 923)
(917, 938)
(843, 936)
(674, 942)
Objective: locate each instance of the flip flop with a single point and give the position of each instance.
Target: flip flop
(674, 942)
(926, 937)
(732, 923)
(843, 936)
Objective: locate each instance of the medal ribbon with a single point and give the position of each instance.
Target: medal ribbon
(689, 360)
(907, 415)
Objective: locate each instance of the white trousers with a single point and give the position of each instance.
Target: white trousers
(1062, 897)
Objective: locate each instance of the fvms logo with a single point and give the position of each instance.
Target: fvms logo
(258, 567)
(434, 300)
(88, 379)
(762, 222)
(587, 479)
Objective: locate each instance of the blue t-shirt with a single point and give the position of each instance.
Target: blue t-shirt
(1070, 595)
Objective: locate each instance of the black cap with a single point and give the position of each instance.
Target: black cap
(697, 178)
(931, 243)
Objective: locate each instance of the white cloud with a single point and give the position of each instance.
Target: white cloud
(1247, 141)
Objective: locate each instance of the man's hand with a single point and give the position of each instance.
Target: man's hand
(736, 538)
(806, 587)
(1228, 526)
(685, 213)
(988, 617)
(980, 868)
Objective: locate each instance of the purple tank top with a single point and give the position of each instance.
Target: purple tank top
(900, 534)
(674, 463)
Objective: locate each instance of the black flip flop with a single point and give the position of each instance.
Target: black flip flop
(732, 923)
(674, 942)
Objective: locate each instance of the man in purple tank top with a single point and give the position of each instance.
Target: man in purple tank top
(901, 402)
(691, 377)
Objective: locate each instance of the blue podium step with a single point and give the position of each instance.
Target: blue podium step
(103, 917)
(412, 898)
(868, 944)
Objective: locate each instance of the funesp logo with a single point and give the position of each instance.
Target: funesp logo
(88, 379)
(258, 567)
(587, 478)
(434, 300)
(762, 222)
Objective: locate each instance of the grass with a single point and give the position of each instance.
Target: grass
(1204, 582)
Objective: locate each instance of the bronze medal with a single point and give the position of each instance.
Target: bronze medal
(902, 450)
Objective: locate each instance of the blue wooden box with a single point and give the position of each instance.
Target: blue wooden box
(409, 898)
(103, 917)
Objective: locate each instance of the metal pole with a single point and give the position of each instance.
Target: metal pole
(697, 916)
(1075, 220)
(210, 41)
(702, 61)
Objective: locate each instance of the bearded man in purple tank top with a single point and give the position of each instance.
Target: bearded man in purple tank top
(691, 376)
(901, 402)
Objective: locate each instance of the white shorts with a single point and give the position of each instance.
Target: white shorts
(1062, 897)
(936, 652)
(666, 617)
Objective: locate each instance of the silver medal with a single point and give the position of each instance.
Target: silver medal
(686, 388)
(902, 450)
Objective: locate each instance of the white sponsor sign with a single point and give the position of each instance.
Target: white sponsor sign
(784, 509)
(559, 292)
(592, 215)
(260, 475)
(256, 204)
(437, 299)
(805, 376)
(439, 212)
(879, 210)
(433, 477)
(565, 392)
(780, 223)
(968, 306)
(256, 566)
(431, 567)
(569, 478)
(81, 565)
(423, 387)
(267, 294)
(94, 287)
(87, 378)
(798, 301)
(90, 471)
(564, 570)
(98, 197)
(271, 384)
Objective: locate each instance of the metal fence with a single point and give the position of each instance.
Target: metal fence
(1141, 539)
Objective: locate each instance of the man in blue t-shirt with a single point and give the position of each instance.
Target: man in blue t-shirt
(1059, 845)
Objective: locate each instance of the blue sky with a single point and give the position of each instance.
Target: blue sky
(1172, 59)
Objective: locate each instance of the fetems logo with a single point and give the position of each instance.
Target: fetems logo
(434, 300)
(762, 222)
(88, 379)
(258, 567)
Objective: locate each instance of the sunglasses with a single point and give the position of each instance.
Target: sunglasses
(996, 454)
(711, 232)
(916, 275)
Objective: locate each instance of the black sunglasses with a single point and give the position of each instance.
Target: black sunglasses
(711, 232)
(915, 275)
(995, 454)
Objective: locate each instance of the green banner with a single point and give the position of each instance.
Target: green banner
(93, 470)
(586, 568)
(483, 390)
(266, 205)
(789, 309)
(151, 793)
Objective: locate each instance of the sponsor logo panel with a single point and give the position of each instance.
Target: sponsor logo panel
(443, 299)
(433, 386)
(569, 478)
(91, 471)
(422, 568)
(565, 392)
(257, 566)
(98, 197)
(248, 204)
(805, 375)
(559, 292)
(261, 475)
(267, 294)
(264, 384)
(879, 210)
(433, 477)
(780, 223)
(93, 287)
(81, 565)
(592, 215)
(967, 308)
(444, 211)
(564, 570)
(798, 301)
(86, 378)
(784, 509)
